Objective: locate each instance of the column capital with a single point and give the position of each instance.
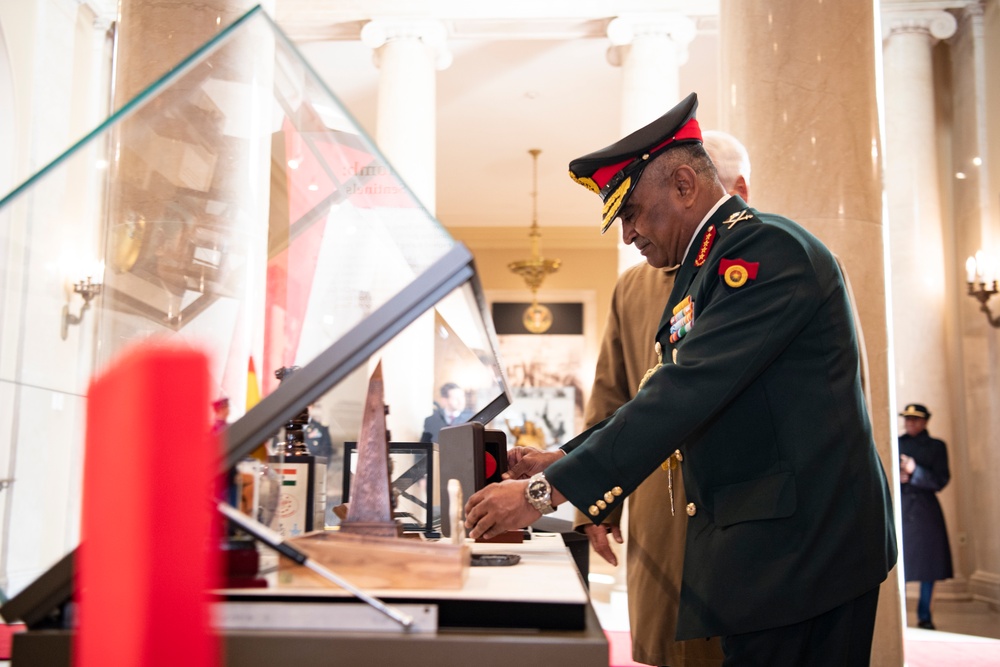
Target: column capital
(937, 24)
(432, 33)
(625, 29)
(973, 10)
(105, 12)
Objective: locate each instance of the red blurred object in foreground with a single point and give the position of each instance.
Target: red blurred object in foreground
(147, 556)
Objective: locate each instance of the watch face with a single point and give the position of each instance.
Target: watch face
(538, 490)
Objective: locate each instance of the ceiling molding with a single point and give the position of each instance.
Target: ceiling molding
(321, 20)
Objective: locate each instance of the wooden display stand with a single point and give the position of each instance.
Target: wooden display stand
(377, 562)
(368, 550)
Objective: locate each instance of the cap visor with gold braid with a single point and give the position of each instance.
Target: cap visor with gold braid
(613, 172)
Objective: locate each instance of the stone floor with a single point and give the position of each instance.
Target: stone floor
(967, 617)
(958, 622)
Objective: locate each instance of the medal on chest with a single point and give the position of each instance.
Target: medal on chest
(682, 320)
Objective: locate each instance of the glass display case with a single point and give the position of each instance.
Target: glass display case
(236, 207)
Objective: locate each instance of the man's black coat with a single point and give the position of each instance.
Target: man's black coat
(926, 552)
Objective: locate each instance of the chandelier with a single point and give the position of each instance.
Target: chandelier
(537, 318)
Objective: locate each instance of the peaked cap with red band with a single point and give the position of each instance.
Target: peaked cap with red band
(613, 172)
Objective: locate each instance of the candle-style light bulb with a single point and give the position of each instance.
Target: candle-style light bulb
(988, 270)
(970, 270)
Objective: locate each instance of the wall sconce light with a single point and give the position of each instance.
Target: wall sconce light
(981, 275)
(88, 290)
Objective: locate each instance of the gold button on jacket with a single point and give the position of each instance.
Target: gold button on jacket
(691, 509)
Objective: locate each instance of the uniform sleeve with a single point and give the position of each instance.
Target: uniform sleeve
(932, 474)
(737, 333)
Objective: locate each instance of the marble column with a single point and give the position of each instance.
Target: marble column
(801, 90)
(154, 35)
(408, 54)
(972, 136)
(926, 298)
(650, 48)
(169, 180)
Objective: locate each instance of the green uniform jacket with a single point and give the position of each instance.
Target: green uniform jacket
(789, 513)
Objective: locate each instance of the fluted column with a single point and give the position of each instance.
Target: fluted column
(650, 48)
(974, 455)
(408, 54)
(925, 297)
(800, 89)
(916, 228)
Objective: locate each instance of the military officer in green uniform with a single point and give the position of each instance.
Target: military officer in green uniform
(757, 398)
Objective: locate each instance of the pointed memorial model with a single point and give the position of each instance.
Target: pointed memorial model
(370, 510)
(368, 550)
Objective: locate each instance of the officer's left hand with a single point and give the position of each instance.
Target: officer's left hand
(499, 508)
(598, 536)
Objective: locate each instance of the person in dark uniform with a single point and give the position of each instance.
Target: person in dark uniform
(923, 471)
(450, 410)
(756, 399)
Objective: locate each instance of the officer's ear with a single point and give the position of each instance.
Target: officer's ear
(685, 179)
(741, 188)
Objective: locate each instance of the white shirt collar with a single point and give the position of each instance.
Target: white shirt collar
(701, 224)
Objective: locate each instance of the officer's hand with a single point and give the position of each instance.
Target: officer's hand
(499, 508)
(598, 536)
(523, 462)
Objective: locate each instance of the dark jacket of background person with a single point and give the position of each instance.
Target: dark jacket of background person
(926, 553)
(438, 420)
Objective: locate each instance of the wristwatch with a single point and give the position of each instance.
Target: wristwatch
(539, 493)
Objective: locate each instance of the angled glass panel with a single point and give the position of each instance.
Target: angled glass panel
(236, 207)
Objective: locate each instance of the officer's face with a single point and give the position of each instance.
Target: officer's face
(914, 425)
(658, 217)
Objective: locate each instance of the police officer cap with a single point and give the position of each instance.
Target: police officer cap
(915, 410)
(613, 171)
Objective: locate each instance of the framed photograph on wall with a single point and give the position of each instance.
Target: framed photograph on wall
(550, 374)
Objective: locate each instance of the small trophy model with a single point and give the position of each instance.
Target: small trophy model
(368, 550)
(370, 511)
